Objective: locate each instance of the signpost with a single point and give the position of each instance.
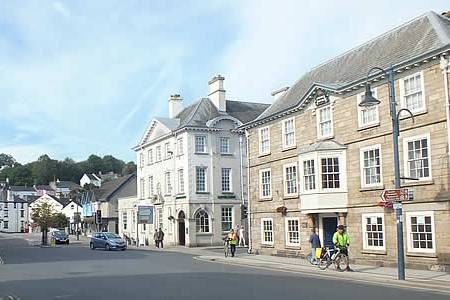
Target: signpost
(392, 198)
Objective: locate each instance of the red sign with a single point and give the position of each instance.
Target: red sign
(386, 204)
(394, 195)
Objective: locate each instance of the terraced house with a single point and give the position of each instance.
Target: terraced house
(317, 159)
(191, 167)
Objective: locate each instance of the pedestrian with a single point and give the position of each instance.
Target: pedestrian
(156, 238)
(237, 228)
(232, 237)
(242, 236)
(161, 238)
(315, 244)
(341, 240)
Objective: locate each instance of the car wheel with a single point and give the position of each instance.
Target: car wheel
(107, 247)
(67, 243)
(123, 249)
(91, 245)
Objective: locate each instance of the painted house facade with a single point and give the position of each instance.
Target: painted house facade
(316, 159)
(13, 212)
(190, 166)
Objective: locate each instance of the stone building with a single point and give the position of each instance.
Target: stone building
(191, 166)
(316, 159)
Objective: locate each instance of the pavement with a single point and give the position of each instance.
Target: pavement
(76, 272)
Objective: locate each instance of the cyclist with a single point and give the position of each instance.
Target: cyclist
(341, 240)
(232, 236)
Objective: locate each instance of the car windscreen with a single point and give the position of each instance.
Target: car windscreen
(60, 234)
(112, 235)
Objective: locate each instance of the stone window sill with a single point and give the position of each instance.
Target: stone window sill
(265, 199)
(373, 251)
(267, 246)
(421, 254)
(263, 154)
(289, 148)
(371, 188)
(418, 183)
(290, 197)
(370, 126)
(290, 247)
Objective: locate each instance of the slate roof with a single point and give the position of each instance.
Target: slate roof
(67, 184)
(200, 112)
(120, 185)
(44, 188)
(426, 34)
(19, 188)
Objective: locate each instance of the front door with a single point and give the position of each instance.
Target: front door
(329, 225)
(181, 229)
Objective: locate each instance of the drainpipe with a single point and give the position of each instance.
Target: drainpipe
(445, 69)
(249, 211)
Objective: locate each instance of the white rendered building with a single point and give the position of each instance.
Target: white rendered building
(192, 167)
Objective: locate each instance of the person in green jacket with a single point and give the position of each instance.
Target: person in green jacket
(341, 240)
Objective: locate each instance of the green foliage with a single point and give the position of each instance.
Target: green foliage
(59, 220)
(129, 168)
(43, 215)
(6, 160)
(45, 169)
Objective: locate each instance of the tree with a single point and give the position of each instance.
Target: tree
(59, 220)
(6, 160)
(112, 164)
(17, 175)
(43, 216)
(94, 164)
(129, 168)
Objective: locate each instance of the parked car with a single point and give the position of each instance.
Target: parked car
(60, 237)
(107, 241)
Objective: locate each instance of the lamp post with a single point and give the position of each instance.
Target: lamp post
(368, 101)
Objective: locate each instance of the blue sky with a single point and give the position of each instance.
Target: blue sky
(82, 77)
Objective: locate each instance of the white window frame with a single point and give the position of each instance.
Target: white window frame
(230, 180)
(409, 233)
(314, 174)
(167, 150)
(269, 196)
(375, 108)
(151, 190)
(406, 140)
(263, 237)
(223, 216)
(221, 149)
(364, 184)
(205, 169)
(284, 133)
(285, 167)
(168, 183)
(181, 186)
(318, 121)
(205, 226)
(142, 194)
(197, 150)
(180, 146)
(317, 157)
(364, 231)
(141, 160)
(287, 231)
(149, 157)
(261, 150)
(403, 96)
(158, 153)
(124, 220)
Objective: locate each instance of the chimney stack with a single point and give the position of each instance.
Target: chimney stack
(217, 93)
(175, 105)
(278, 93)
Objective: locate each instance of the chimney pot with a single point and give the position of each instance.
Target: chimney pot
(278, 93)
(175, 105)
(217, 92)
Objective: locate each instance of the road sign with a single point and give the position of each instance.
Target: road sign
(145, 214)
(397, 205)
(394, 195)
(385, 204)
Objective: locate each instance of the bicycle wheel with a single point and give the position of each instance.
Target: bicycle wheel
(309, 259)
(324, 263)
(226, 250)
(340, 261)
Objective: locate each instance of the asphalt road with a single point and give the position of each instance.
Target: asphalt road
(76, 272)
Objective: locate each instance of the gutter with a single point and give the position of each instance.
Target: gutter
(249, 211)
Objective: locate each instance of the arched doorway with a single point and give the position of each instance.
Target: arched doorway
(181, 228)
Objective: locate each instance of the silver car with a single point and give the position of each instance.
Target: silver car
(107, 241)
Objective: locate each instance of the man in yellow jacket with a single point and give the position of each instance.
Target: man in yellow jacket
(232, 237)
(341, 240)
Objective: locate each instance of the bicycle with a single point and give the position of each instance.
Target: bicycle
(332, 256)
(226, 247)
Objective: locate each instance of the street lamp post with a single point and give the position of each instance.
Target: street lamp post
(368, 101)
